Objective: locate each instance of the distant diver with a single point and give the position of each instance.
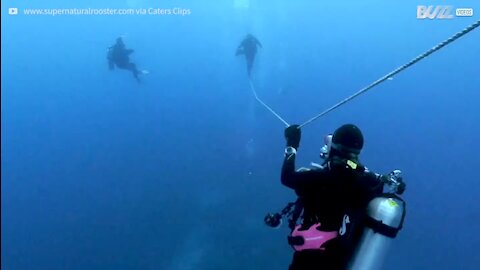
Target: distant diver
(119, 56)
(248, 47)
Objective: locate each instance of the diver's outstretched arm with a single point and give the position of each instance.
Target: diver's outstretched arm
(111, 65)
(239, 50)
(258, 43)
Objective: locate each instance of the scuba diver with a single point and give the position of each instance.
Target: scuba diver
(118, 55)
(333, 197)
(248, 47)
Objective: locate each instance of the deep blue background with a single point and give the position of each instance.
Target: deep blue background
(99, 172)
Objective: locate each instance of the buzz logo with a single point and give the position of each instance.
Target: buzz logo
(434, 12)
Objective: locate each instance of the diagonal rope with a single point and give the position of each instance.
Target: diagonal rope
(264, 104)
(396, 71)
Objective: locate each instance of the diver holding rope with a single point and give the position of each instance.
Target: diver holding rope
(332, 198)
(347, 220)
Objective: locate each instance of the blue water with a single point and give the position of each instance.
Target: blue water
(100, 172)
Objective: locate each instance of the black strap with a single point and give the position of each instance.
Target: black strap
(379, 227)
(295, 240)
(295, 214)
(292, 211)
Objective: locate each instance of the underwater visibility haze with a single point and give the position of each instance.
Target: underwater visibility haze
(177, 170)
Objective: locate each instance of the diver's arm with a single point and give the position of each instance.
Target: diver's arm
(239, 51)
(375, 182)
(258, 43)
(242, 45)
(111, 65)
(292, 178)
(240, 48)
(288, 170)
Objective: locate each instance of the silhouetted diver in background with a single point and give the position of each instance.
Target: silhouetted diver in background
(119, 56)
(248, 47)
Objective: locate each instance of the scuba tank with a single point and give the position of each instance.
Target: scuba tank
(385, 217)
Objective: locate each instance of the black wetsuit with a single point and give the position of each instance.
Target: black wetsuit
(328, 195)
(119, 56)
(248, 47)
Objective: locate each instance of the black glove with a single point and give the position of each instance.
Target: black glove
(293, 135)
(395, 177)
(401, 187)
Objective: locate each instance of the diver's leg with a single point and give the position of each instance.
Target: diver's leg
(313, 260)
(249, 65)
(133, 68)
(297, 262)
